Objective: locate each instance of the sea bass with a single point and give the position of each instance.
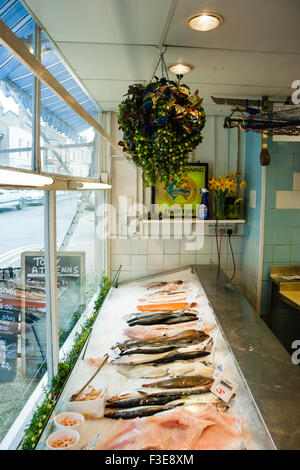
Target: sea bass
(141, 411)
(181, 339)
(180, 348)
(162, 358)
(182, 382)
(157, 397)
(171, 318)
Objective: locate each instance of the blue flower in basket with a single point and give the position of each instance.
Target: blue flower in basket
(148, 105)
(163, 81)
(162, 120)
(167, 93)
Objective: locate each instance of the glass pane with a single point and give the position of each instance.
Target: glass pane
(22, 301)
(78, 271)
(14, 15)
(68, 145)
(52, 60)
(16, 87)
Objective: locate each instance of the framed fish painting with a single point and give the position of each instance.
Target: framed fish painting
(178, 201)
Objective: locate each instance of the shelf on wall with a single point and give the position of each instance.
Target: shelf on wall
(194, 221)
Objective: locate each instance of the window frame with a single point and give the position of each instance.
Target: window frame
(61, 183)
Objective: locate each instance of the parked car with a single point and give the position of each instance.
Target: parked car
(34, 197)
(11, 198)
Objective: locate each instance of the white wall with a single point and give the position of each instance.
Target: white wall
(140, 256)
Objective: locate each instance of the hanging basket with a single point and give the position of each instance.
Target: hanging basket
(162, 124)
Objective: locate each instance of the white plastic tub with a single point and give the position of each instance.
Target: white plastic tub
(62, 434)
(76, 416)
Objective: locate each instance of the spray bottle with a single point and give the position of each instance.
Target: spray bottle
(203, 212)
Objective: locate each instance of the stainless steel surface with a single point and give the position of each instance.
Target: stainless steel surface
(280, 274)
(272, 378)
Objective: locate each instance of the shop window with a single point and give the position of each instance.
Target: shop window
(53, 62)
(63, 131)
(79, 263)
(23, 339)
(16, 87)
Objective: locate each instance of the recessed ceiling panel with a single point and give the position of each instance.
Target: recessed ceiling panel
(93, 61)
(108, 90)
(239, 68)
(103, 21)
(257, 25)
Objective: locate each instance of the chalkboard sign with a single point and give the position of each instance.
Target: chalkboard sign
(10, 309)
(71, 298)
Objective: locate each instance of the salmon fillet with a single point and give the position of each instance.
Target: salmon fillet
(165, 307)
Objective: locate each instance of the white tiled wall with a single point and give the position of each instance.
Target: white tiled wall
(140, 258)
(144, 257)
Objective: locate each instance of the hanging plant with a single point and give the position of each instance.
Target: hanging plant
(162, 124)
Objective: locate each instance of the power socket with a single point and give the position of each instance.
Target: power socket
(222, 229)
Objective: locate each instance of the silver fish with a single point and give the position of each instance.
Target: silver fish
(186, 337)
(167, 320)
(153, 396)
(140, 411)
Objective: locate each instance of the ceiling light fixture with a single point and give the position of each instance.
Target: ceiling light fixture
(83, 185)
(205, 21)
(180, 69)
(21, 178)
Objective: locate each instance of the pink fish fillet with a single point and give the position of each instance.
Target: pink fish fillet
(179, 429)
(223, 435)
(152, 331)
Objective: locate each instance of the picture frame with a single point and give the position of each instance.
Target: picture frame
(170, 202)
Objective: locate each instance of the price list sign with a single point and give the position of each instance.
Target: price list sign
(71, 294)
(10, 309)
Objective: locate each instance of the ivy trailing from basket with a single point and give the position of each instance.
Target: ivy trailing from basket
(162, 124)
(42, 413)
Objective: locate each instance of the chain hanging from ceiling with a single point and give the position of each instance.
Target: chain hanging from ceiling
(162, 63)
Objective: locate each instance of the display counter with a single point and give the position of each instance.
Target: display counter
(237, 350)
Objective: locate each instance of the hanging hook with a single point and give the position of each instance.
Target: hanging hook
(164, 70)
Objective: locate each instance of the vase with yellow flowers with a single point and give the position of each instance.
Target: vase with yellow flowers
(225, 190)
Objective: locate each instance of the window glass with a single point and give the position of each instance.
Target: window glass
(16, 87)
(68, 145)
(52, 60)
(16, 17)
(78, 264)
(23, 348)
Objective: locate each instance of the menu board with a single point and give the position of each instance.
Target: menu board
(10, 309)
(71, 299)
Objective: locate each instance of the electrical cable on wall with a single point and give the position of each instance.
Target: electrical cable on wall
(229, 233)
(216, 228)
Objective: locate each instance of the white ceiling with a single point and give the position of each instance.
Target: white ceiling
(112, 43)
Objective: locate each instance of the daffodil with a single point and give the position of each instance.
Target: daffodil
(243, 184)
(238, 200)
(223, 185)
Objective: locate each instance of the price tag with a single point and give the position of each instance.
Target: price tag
(218, 371)
(223, 388)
